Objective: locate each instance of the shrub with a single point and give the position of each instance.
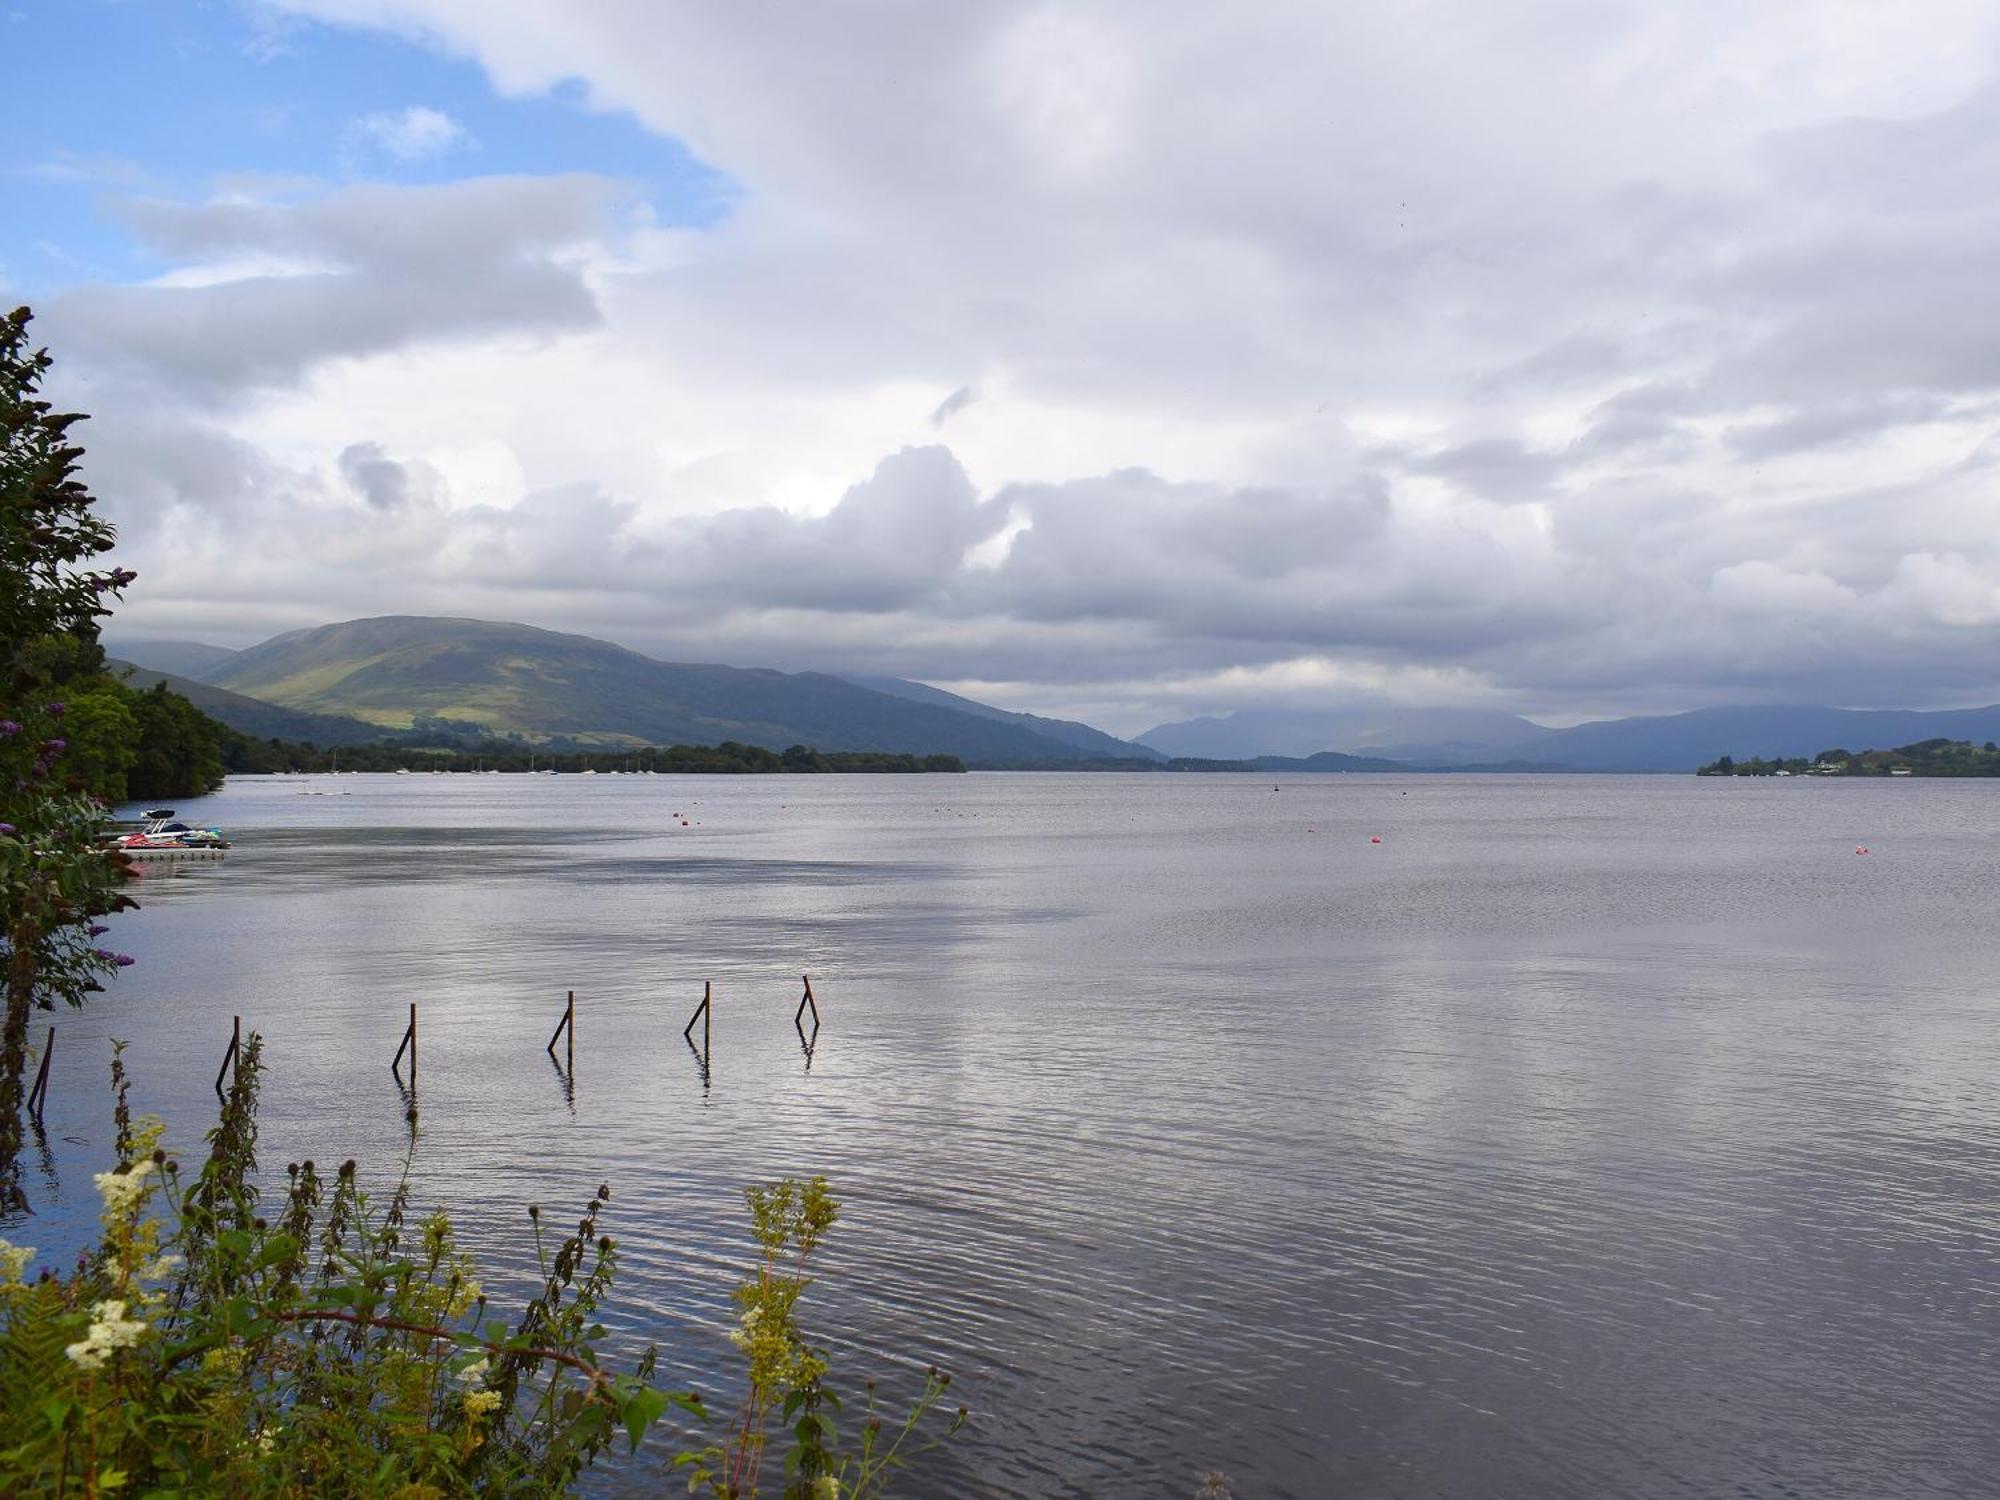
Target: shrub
(340, 1346)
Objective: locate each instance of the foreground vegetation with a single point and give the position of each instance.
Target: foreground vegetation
(1939, 757)
(336, 1345)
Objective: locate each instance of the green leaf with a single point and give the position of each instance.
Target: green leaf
(644, 1408)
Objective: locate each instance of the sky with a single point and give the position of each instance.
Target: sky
(1124, 361)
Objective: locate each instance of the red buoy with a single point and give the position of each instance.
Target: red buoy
(1375, 839)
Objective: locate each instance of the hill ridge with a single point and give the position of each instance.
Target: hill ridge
(506, 678)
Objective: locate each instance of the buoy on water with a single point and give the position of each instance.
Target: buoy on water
(1861, 849)
(1375, 838)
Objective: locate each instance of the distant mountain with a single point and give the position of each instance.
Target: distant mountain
(196, 659)
(1680, 742)
(1435, 736)
(1475, 738)
(263, 721)
(404, 671)
(1092, 742)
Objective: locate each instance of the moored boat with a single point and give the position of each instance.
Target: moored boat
(163, 834)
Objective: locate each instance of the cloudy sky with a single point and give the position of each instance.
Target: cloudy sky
(1117, 360)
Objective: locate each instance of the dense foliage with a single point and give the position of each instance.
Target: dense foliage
(54, 877)
(1938, 757)
(339, 1346)
(151, 746)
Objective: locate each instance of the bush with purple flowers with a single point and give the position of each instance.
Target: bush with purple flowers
(54, 874)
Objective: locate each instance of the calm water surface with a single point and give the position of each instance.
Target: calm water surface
(1585, 1137)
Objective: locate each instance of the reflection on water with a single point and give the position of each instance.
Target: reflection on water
(1586, 1136)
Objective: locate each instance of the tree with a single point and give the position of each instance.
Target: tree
(103, 735)
(54, 875)
(178, 750)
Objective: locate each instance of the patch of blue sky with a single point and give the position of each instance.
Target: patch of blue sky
(114, 99)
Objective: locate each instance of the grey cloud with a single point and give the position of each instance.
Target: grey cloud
(1494, 467)
(953, 404)
(1833, 424)
(380, 480)
(372, 268)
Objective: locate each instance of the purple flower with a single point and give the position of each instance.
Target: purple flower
(98, 929)
(56, 744)
(55, 710)
(7, 828)
(8, 726)
(123, 960)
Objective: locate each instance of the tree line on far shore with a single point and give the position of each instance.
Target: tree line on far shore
(1939, 757)
(244, 755)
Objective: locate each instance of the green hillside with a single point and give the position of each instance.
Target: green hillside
(403, 672)
(259, 720)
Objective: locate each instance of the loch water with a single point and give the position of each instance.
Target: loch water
(1586, 1136)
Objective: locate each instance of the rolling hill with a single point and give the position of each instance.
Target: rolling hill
(259, 720)
(403, 671)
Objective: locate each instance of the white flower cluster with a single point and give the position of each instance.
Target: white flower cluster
(123, 1190)
(110, 1330)
(13, 1262)
(478, 1400)
(741, 1336)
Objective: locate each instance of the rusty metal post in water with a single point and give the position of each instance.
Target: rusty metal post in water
(39, 1094)
(409, 1045)
(230, 1053)
(566, 1024)
(703, 1013)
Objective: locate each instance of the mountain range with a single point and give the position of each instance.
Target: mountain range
(361, 679)
(404, 672)
(1464, 738)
